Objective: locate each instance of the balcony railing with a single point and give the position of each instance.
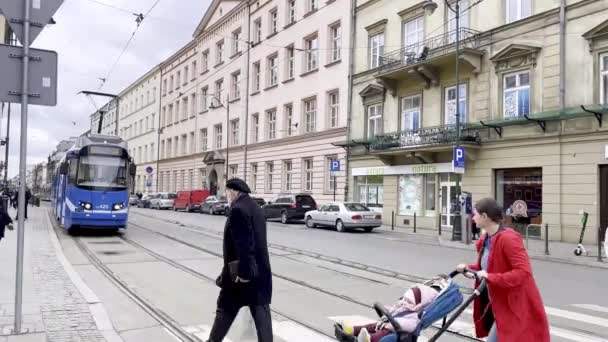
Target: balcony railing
(428, 136)
(431, 47)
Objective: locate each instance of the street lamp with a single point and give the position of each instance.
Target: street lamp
(227, 107)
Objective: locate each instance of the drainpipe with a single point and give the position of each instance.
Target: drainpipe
(562, 54)
(247, 91)
(351, 71)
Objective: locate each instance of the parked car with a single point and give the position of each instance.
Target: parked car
(214, 205)
(144, 202)
(259, 201)
(344, 216)
(190, 200)
(133, 200)
(163, 201)
(289, 207)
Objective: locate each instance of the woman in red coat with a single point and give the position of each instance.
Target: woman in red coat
(511, 310)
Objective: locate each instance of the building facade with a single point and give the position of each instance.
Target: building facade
(138, 125)
(531, 96)
(109, 124)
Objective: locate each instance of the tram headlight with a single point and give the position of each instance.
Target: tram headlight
(86, 205)
(118, 206)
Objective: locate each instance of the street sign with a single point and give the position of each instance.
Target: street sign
(41, 12)
(458, 159)
(149, 170)
(42, 76)
(334, 167)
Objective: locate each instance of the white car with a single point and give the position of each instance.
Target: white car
(163, 200)
(344, 216)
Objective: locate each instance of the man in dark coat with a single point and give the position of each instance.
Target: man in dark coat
(28, 196)
(246, 278)
(5, 221)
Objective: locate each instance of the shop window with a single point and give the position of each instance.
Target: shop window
(520, 193)
(417, 194)
(369, 190)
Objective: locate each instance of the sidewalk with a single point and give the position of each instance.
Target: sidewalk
(57, 304)
(559, 252)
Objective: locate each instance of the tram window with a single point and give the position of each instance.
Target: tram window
(72, 171)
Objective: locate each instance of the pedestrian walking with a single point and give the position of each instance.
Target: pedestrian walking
(511, 309)
(5, 221)
(28, 196)
(246, 278)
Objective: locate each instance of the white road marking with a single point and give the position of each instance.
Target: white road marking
(575, 316)
(575, 336)
(592, 307)
(354, 320)
(294, 332)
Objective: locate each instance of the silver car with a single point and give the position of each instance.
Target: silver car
(344, 216)
(163, 200)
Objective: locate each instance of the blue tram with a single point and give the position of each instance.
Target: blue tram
(91, 184)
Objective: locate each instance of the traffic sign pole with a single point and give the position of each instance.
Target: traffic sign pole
(22, 166)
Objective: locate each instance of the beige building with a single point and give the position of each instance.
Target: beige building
(286, 87)
(138, 125)
(109, 124)
(543, 160)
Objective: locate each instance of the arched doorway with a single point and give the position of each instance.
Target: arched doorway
(213, 182)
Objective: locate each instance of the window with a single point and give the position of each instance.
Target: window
(516, 98)
(219, 52)
(311, 5)
(271, 124)
(416, 194)
(202, 174)
(255, 128)
(254, 177)
(186, 74)
(374, 118)
(464, 18)
(151, 152)
(147, 123)
(520, 184)
(273, 21)
(191, 179)
(310, 115)
(257, 31)
(290, 63)
(175, 146)
(307, 174)
(256, 77)
(185, 108)
(193, 77)
(170, 116)
(604, 78)
(177, 112)
(291, 11)
(376, 46)
(184, 147)
(192, 143)
(335, 46)
(218, 137)
(193, 105)
(269, 176)
(273, 70)
(450, 104)
(413, 33)
(334, 108)
(236, 42)
(204, 96)
(164, 89)
(204, 140)
(205, 61)
(169, 148)
(312, 53)
(410, 113)
(178, 80)
(148, 96)
(518, 9)
(219, 84)
(287, 175)
(171, 83)
(289, 125)
(152, 122)
(236, 85)
(369, 190)
(234, 132)
(330, 181)
(233, 171)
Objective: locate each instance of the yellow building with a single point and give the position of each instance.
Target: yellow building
(518, 61)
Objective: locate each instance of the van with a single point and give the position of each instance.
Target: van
(190, 200)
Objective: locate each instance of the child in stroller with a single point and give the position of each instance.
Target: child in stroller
(406, 312)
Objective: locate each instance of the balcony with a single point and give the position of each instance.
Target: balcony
(428, 138)
(422, 61)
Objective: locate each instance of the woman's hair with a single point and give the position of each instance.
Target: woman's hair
(490, 207)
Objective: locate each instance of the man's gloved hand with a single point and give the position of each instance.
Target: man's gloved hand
(10, 226)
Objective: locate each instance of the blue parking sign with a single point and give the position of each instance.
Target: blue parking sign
(458, 157)
(334, 165)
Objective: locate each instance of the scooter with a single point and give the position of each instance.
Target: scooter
(580, 249)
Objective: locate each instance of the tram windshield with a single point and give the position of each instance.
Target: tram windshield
(102, 172)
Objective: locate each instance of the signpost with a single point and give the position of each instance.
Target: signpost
(27, 18)
(334, 170)
(458, 159)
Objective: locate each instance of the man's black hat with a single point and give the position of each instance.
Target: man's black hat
(238, 184)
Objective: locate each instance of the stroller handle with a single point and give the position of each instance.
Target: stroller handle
(469, 273)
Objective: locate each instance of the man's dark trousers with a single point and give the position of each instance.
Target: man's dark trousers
(226, 313)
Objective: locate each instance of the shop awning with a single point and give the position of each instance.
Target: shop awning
(542, 118)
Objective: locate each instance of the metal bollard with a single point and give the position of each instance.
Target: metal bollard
(546, 239)
(599, 244)
(414, 222)
(393, 220)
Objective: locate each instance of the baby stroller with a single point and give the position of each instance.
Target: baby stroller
(448, 300)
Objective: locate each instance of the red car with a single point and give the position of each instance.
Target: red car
(190, 200)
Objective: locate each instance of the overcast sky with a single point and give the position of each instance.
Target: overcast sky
(89, 37)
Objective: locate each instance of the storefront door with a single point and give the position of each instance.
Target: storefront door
(448, 199)
(604, 199)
